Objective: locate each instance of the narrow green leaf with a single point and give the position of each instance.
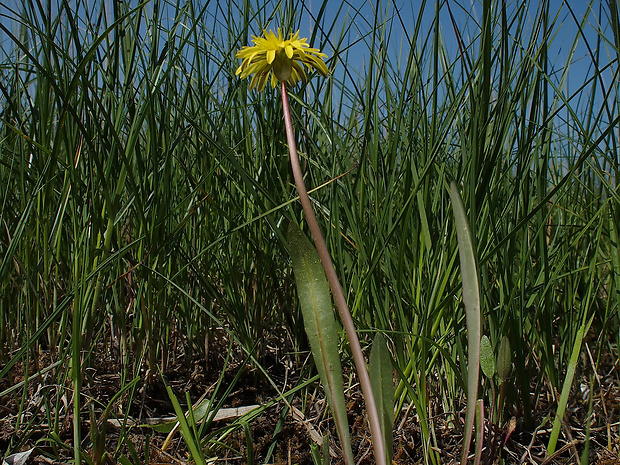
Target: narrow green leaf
(568, 382)
(487, 357)
(381, 378)
(471, 299)
(193, 444)
(123, 460)
(321, 327)
(249, 459)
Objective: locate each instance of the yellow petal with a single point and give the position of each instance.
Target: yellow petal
(262, 81)
(277, 59)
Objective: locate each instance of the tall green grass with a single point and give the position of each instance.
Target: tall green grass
(146, 191)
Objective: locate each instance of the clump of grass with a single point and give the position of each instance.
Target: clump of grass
(142, 214)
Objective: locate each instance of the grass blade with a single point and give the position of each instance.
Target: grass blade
(193, 443)
(568, 382)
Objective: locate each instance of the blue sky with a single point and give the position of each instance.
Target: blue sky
(361, 15)
(468, 18)
(358, 18)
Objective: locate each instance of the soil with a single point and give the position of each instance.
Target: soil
(281, 434)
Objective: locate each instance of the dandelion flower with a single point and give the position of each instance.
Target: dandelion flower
(282, 59)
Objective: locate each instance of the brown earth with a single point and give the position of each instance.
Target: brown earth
(283, 434)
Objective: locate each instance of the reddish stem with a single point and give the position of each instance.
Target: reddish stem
(334, 283)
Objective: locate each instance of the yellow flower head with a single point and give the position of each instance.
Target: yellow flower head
(280, 58)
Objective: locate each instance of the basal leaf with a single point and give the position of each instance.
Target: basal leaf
(471, 299)
(487, 357)
(381, 378)
(504, 359)
(321, 327)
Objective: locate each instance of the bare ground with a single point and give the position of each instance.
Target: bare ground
(39, 417)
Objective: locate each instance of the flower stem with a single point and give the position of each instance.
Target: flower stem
(334, 283)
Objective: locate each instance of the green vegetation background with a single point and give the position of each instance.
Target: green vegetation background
(146, 192)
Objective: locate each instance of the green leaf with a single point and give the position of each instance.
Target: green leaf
(568, 382)
(124, 460)
(192, 442)
(381, 378)
(471, 299)
(321, 327)
(487, 357)
(504, 359)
